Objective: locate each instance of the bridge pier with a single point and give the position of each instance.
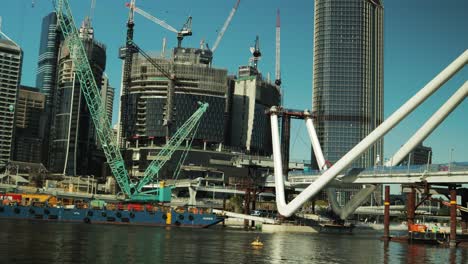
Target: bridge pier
(453, 216)
(464, 215)
(387, 214)
(410, 205)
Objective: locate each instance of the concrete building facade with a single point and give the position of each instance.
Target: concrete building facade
(11, 57)
(29, 116)
(420, 155)
(252, 97)
(107, 95)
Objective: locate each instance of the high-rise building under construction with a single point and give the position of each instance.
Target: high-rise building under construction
(147, 102)
(74, 148)
(348, 76)
(252, 97)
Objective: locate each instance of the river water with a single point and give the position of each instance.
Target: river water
(43, 242)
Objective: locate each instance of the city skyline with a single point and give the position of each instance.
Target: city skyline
(420, 40)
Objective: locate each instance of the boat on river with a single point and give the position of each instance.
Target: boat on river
(43, 207)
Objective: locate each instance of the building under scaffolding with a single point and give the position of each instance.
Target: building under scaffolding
(147, 103)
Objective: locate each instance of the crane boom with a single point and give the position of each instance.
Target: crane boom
(185, 31)
(176, 140)
(225, 26)
(92, 95)
(158, 21)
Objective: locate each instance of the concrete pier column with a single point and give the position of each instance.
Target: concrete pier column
(285, 139)
(387, 214)
(247, 207)
(453, 216)
(411, 203)
(464, 215)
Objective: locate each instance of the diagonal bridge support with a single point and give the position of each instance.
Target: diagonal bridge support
(287, 209)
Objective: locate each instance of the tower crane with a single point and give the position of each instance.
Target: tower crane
(126, 78)
(256, 54)
(185, 31)
(101, 122)
(225, 26)
(278, 58)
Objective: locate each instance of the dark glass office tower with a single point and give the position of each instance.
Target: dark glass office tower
(74, 147)
(348, 76)
(46, 77)
(48, 52)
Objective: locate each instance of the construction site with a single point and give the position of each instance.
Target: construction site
(160, 93)
(181, 120)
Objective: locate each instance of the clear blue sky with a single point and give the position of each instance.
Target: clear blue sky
(421, 38)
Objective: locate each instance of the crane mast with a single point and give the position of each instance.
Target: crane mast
(127, 78)
(225, 26)
(256, 52)
(185, 31)
(278, 58)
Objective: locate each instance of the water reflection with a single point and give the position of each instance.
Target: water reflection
(27, 242)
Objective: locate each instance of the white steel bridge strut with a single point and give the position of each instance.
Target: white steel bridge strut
(289, 209)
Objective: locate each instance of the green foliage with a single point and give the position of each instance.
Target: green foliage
(235, 204)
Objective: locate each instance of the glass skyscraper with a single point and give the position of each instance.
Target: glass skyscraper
(48, 51)
(348, 76)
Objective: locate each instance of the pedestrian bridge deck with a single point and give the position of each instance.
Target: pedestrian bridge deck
(454, 173)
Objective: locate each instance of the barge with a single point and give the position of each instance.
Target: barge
(50, 208)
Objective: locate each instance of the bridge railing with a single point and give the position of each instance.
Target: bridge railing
(383, 170)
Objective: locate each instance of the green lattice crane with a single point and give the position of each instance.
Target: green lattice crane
(92, 95)
(101, 122)
(172, 145)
